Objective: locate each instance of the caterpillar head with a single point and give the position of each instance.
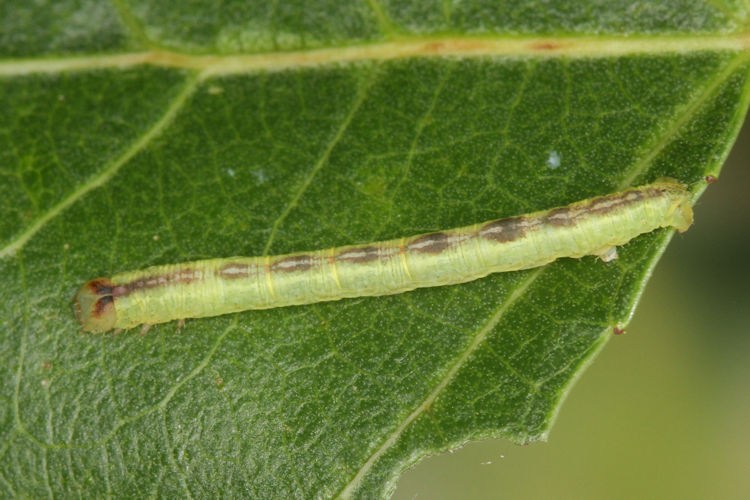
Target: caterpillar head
(95, 306)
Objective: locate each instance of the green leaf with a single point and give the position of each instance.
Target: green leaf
(141, 133)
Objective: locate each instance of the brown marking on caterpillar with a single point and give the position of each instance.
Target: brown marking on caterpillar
(610, 203)
(634, 196)
(359, 254)
(710, 179)
(601, 205)
(182, 277)
(101, 286)
(654, 192)
(235, 270)
(646, 193)
(503, 230)
(430, 243)
(618, 331)
(103, 305)
(293, 263)
(563, 216)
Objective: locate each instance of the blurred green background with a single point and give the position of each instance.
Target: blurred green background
(664, 411)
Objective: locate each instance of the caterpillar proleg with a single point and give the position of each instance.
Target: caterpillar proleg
(219, 286)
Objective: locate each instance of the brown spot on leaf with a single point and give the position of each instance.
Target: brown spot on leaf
(545, 46)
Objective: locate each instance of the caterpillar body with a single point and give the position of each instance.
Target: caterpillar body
(219, 286)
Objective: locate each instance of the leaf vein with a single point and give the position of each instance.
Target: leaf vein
(460, 362)
(653, 149)
(106, 173)
(361, 96)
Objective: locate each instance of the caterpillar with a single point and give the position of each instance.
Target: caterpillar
(594, 226)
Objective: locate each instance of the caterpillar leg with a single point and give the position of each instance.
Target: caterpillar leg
(607, 254)
(180, 324)
(116, 331)
(144, 330)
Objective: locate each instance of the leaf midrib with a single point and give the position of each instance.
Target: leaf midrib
(569, 46)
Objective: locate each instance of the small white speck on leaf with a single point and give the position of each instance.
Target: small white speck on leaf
(260, 176)
(231, 172)
(553, 160)
(156, 237)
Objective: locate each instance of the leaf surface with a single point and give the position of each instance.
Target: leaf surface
(142, 133)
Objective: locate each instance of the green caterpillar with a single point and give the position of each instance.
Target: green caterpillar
(219, 286)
